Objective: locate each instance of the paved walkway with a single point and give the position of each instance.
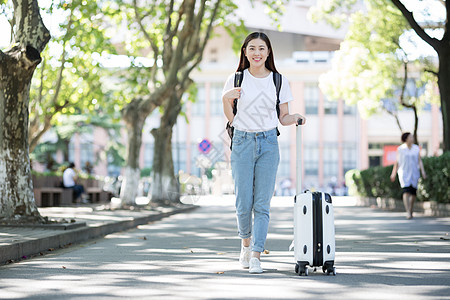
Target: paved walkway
(380, 255)
(92, 221)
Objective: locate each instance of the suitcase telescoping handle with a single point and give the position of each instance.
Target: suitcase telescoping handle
(299, 156)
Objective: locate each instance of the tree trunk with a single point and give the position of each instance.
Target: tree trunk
(444, 90)
(165, 186)
(442, 48)
(416, 125)
(17, 65)
(37, 130)
(134, 119)
(16, 187)
(165, 189)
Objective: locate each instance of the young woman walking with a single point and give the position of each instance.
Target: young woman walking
(255, 154)
(407, 165)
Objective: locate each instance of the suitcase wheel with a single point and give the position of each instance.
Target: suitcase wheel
(329, 271)
(300, 270)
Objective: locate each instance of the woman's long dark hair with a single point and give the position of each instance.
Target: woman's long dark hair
(244, 63)
(405, 136)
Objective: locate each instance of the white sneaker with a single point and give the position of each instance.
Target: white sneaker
(255, 266)
(244, 258)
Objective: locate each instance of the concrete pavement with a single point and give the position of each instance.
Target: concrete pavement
(91, 221)
(380, 255)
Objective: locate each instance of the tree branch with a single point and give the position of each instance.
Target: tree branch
(204, 42)
(149, 39)
(194, 40)
(183, 36)
(41, 86)
(11, 23)
(169, 15)
(405, 82)
(3, 57)
(431, 71)
(63, 62)
(395, 116)
(34, 139)
(446, 37)
(435, 25)
(208, 31)
(170, 33)
(433, 42)
(34, 122)
(30, 30)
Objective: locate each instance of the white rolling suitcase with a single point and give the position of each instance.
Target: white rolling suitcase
(314, 241)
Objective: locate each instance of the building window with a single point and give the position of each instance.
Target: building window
(86, 154)
(195, 166)
(71, 152)
(330, 160)
(330, 107)
(179, 157)
(349, 109)
(198, 107)
(216, 99)
(311, 98)
(213, 55)
(349, 156)
(148, 155)
(284, 169)
(375, 161)
(375, 146)
(311, 159)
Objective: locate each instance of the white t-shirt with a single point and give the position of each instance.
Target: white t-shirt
(408, 165)
(68, 177)
(256, 108)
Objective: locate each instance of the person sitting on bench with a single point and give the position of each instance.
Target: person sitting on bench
(69, 181)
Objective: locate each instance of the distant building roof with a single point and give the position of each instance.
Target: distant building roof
(294, 20)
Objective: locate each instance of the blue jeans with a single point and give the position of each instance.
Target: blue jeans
(254, 163)
(78, 190)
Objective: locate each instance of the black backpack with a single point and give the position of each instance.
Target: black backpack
(238, 77)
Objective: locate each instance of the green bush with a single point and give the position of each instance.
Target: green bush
(375, 182)
(60, 171)
(437, 185)
(146, 172)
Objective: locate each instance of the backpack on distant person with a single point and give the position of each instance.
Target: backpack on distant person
(238, 77)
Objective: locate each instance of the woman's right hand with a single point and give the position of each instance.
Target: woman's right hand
(230, 95)
(393, 177)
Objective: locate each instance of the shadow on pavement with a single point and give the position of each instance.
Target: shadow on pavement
(195, 255)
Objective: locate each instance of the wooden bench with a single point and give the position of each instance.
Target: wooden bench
(48, 191)
(48, 196)
(94, 194)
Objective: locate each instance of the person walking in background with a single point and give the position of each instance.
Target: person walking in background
(255, 154)
(70, 177)
(407, 165)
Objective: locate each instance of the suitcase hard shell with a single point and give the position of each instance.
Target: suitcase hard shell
(314, 235)
(314, 241)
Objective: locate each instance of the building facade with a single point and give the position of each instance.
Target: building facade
(335, 137)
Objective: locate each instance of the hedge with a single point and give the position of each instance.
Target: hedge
(375, 182)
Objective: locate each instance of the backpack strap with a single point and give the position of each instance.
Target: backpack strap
(277, 80)
(238, 77)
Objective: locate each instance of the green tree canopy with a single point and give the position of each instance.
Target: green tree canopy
(372, 64)
(69, 80)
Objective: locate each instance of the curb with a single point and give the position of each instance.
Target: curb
(72, 236)
(428, 208)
